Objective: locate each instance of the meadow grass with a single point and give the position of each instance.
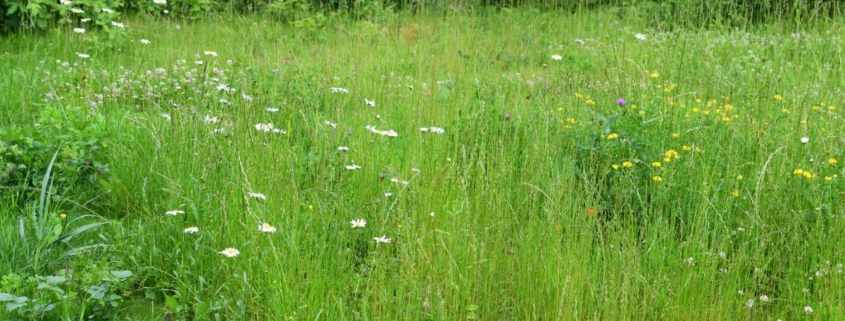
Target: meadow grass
(711, 193)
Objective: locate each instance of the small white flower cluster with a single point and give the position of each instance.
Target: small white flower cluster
(268, 127)
(390, 133)
(340, 90)
(352, 167)
(436, 130)
(211, 119)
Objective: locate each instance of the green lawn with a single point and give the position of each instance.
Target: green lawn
(711, 193)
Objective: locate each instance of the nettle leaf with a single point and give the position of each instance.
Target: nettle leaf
(97, 291)
(6, 297)
(121, 274)
(55, 279)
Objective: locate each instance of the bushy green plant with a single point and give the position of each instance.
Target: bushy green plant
(92, 290)
(25, 151)
(62, 13)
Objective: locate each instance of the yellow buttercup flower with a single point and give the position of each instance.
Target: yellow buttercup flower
(627, 164)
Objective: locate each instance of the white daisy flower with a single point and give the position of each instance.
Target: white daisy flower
(160, 1)
(557, 57)
(264, 127)
(211, 120)
(764, 298)
(370, 102)
(174, 212)
(331, 124)
(424, 129)
(382, 239)
(266, 228)
(805, 140)
(808, 309)
(230, 252)
(437, 130)
(145, 41)
(117, 24)
(271, 109)
(640, 36)
(258, 196)
(352, 167)
(343, 148)
(192, 230)
(210, 53)
(79, 30)
(359, 223)
(106, 10)
(76, 10)
(388, 194)
(339, 90)
(82, 55)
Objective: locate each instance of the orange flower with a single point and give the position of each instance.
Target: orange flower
(591, 212)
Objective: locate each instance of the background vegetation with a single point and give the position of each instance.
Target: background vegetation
(529, 161)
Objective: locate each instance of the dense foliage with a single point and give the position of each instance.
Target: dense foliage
(36, 14)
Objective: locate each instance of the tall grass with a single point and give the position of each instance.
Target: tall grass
(524, 208)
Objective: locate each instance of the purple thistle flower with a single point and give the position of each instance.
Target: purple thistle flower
(621, 102)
